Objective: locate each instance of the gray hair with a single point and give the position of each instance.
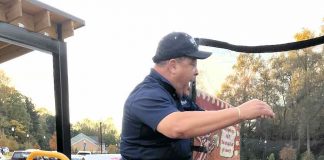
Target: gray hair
(163, 63)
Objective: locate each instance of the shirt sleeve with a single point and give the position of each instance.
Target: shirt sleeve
(151, 105)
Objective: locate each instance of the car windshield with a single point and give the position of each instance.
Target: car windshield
(20, 155)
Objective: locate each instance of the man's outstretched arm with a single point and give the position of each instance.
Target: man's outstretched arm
(194, 123)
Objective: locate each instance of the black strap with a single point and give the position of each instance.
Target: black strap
(262, 48)
(193, 91)
(199, 149)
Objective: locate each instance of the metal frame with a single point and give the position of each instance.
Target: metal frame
(36, 41)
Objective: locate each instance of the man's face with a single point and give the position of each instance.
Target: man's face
(186, 71)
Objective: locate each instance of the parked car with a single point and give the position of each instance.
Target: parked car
(4, 150)
(22, 155)
(77, 157)
(102, 157)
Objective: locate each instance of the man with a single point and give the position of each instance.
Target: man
(155, 124)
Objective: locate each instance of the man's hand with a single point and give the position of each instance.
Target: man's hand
(254, 109)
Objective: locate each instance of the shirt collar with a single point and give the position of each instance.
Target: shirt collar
(164, 83)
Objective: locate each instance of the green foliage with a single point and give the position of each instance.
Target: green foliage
(8, 141)
(293, 84)
(271, 157)
(307, 156)
(4, 79)
(288, 153)
(321, 157)
(12, 145)
(241, 84)
(110, 136)
(18, 118)
(52, 142)
(112, 149)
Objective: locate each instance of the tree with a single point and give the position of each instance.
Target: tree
(242, 85)
(4, 80)
(8, 141)
(308, 86)
(293, 84)
(50, 123)
(18, 118)
(52, 142)
(288, 153)
(112, 149)
(89, 127)
(47, 127)
(110, 134)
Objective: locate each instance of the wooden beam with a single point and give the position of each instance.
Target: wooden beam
(12, 51)
(3, 44)
(25, 21)
(67, 29)
(14, 11)
(42, 20)
(3, 13)
(38, 17)
(50, 31)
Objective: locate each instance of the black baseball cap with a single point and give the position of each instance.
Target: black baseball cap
(178, 44)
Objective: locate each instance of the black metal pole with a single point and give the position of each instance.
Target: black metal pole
(62, 97)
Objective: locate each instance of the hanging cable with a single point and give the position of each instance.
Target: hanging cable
(262, 48)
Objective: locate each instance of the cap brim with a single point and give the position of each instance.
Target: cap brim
(200, 55)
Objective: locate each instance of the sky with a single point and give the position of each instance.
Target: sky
(112, 52)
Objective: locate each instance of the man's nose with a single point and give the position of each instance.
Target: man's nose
(196, 72)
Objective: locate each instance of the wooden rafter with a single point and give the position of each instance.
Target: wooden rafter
(37, 17)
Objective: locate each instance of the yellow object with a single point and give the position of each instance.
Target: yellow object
(51, 154)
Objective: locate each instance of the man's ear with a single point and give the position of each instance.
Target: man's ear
(172, 66)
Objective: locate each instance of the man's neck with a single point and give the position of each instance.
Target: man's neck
(167, 75)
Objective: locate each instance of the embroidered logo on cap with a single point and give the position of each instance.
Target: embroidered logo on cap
(192, 40)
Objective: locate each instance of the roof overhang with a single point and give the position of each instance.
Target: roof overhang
(21, 19)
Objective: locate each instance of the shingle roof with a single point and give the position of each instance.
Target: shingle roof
(81, 137)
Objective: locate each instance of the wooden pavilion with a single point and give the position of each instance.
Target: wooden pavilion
(28, 25)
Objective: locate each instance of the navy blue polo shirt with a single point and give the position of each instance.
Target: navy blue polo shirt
(151, 101)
